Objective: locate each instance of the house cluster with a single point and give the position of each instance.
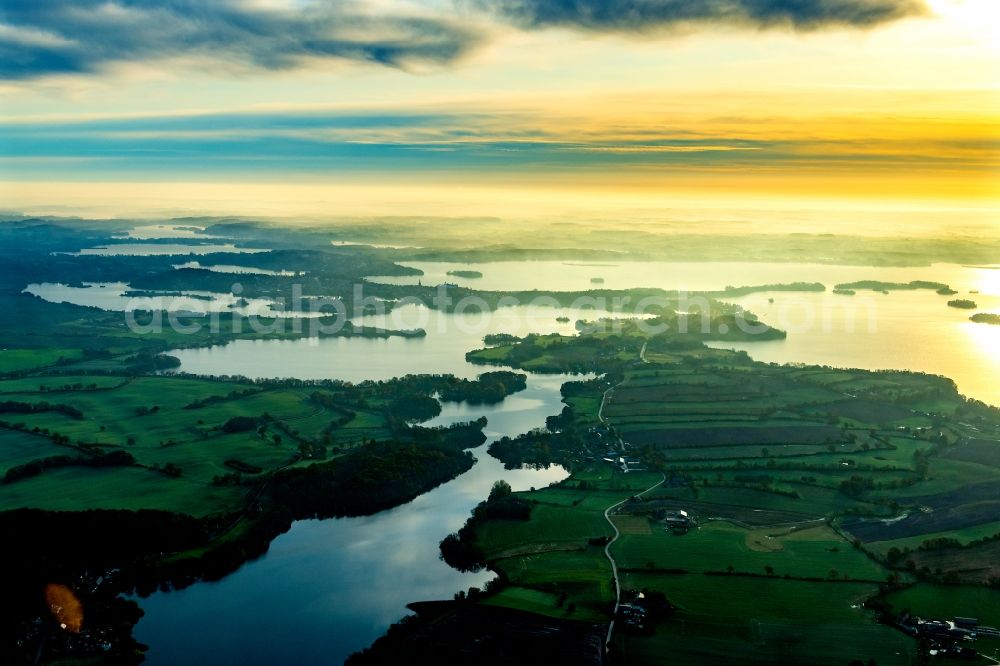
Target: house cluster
(633, 615)
(624, 463)
(678, 522)
(948, 638)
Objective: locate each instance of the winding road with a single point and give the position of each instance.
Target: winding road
(607, 551)
(607, 512)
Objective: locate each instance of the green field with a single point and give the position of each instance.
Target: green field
(734, 619)
(769, 460)
(802, 479)
(22, 447)
(175, 422)
(77, 489)
(806, 551)
(15, 360)
(945, 602)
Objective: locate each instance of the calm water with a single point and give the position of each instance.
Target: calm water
(329, 588)
(690, 276)
(234, 270)
(163, 249)
(153, 231)
(912, 330)
(449, 337)
(902, 330)
(112, 296)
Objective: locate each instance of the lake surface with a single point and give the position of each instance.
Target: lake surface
(154, 231)
(235, 270)
(689, 276)
(910, 330)
(449, 337)
(113, 297)
(328, 588)
(162, 249)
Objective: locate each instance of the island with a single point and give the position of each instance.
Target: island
(986, 318)
(850, 288)
(466, 274)
(753, 289)
(962, 304)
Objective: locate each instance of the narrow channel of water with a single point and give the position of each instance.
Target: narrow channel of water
(329, 588)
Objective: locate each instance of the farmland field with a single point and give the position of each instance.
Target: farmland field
(797, 483)
(733, 619)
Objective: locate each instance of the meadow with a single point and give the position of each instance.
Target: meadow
(799, 479)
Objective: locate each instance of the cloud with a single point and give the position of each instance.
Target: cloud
(651, 15)
(42, 37)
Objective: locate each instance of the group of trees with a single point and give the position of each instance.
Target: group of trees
(147, 362)
(461, 549)
(370, 479)
(488, 388)
(15, 407)
(35, 467)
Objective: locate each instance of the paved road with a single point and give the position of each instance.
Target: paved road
(607, 551)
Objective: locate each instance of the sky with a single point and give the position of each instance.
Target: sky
(522, 108)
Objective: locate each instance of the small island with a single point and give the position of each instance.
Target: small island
(746, 290)
(986, 318)
(596, 280)
(850, 288)
(466, 274)
(562, 320)
(962, 304)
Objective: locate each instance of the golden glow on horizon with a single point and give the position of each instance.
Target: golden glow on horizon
(689, 210)
(903, 116)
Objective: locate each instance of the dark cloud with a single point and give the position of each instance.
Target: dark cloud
(39, 37)
(650, 15)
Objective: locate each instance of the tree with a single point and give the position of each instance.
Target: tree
(500, 490)
(769, 570)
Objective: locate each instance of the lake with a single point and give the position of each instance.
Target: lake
(162, 249)
(689, 276)
(328, 588)
(156, 231)
(233, 269)
(113, 297)
(442, 350)
(912, 330)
